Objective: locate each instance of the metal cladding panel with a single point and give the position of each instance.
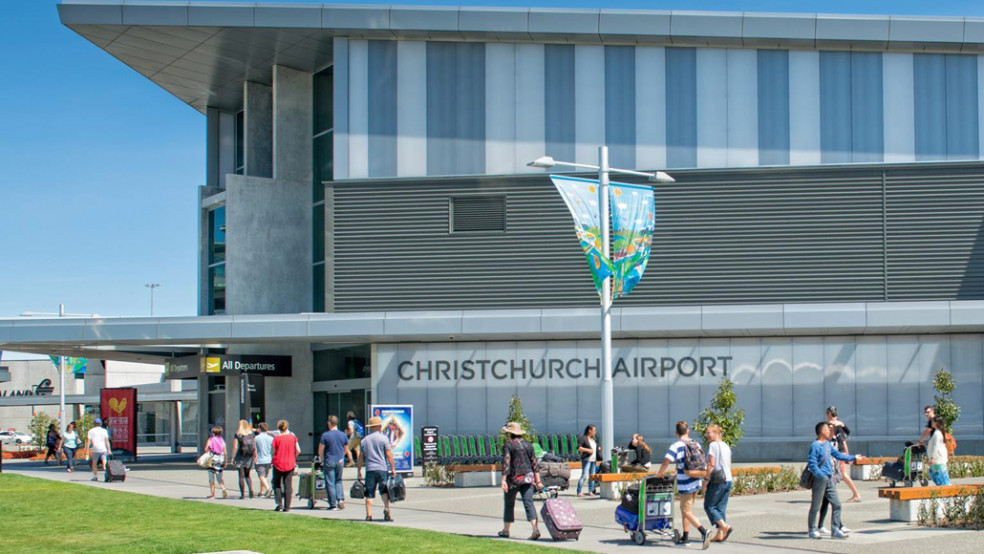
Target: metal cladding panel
(935, 249)
(756, 236)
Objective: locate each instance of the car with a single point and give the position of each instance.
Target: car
(15, 437)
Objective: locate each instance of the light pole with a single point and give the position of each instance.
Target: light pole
(61, 362)
(607, 389)
(152, 286)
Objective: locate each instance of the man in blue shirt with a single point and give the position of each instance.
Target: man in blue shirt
(819, 464)
(687, 487)
(333, 450)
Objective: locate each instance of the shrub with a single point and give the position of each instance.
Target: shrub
(516, 414)
(39, 429)
(959, 511)
(721, 412)
(82, 426)
(945, 407)
(438, 476)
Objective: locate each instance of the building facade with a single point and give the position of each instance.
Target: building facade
(368, 211)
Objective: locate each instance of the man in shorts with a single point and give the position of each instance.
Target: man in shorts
(98, 442)
(376, 452)
(687, 487)
(264, 458)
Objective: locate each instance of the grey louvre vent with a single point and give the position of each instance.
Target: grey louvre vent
(477, 213)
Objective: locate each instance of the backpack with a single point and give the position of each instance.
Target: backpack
(950, 442)
(694, 460)
(357, 428)
(247, 445)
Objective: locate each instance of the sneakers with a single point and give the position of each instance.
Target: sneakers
(332, 509)
(823, 530)
(839, 534)
(845, 529)
(705, 540)
(815, 533)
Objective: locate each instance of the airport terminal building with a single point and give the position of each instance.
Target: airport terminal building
(370, 231)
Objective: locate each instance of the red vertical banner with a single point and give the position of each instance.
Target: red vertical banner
(118, 410)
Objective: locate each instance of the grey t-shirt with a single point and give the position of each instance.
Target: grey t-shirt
(374, 448)
(264, 448)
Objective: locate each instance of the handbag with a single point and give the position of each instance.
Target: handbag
(524, 479)
(205, 460)
(718, 477)
(396, 488)
(358, 489)
(806, 478)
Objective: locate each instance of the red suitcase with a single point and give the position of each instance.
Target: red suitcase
(561, 519)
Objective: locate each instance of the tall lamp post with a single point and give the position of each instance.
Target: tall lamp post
(607, 390)
(152, 286)
(61, 363)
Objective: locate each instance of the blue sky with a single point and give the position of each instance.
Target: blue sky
(99, 168)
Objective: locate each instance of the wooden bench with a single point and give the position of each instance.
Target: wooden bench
(868, 469)
(609, 481)
(484, 475)
(905, 502)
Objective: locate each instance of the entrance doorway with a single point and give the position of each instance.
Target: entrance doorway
(341, 398)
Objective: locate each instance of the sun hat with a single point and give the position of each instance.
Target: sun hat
(375, 422)
(513, 428)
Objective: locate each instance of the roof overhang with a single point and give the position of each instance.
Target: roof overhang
(158, 338)
(203, 52)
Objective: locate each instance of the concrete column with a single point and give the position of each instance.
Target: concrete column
(293, 120)
(203, 430)
(231, 412)
(220, 146)
(258, 129)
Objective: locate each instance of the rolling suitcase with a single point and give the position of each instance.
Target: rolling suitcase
(115, 471)
(561, 519)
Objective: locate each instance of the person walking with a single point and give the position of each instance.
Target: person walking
(70, 443)
(264, 458)
(216, 448)
(839, 440)
(590, 452)
(54, 441)
(819, 465)
(717, 488)
(98, 445)
(285, 451)
(520, 476)
(375, 451)
(244, 445)
(937, 453)
(333, 449)
(687, 486)
(930, 413)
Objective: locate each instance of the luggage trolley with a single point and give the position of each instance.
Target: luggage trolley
(655, 515)
(910, 467)
(311, 486)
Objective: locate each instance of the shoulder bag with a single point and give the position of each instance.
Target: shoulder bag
(806, 478)
(205, 460)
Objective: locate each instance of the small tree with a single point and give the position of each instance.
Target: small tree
(945, 407)
(82, 426)
(39, 429)
(516, 414)
(721, 412)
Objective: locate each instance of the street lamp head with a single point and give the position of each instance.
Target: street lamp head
(661, 177)
(544, 162)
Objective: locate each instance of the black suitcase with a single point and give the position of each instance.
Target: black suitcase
(115, 471)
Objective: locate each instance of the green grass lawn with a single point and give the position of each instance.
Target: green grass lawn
(48, 516)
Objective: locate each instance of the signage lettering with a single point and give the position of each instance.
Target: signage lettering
(43, 388)
(190, 367)
(558, 368)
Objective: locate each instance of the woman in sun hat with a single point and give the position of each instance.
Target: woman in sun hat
(520, 476)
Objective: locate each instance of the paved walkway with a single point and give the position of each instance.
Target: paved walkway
(769, 522)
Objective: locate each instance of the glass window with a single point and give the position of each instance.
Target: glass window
(324, 103)
(681, 107)
(558, 78)
(318, 231)
(620, 103)
(240, 141)
(323, 164)
(216, 235)
(342, 363)
(216, 289)
(318, 283)
(773, 107)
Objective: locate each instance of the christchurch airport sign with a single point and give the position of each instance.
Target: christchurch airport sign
(561, 368)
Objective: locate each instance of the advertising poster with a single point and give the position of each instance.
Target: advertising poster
(398, 427)
(118, 410)
(429, 436)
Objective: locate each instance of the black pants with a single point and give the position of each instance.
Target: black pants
(245, 481)
(283, 487)
(524, 491)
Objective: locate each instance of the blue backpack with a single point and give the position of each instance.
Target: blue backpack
(357, 427)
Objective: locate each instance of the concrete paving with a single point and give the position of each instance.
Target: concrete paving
(768, 522)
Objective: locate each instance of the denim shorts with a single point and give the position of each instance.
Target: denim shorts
(375, 479)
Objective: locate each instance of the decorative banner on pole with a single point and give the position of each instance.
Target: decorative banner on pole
(633, 220)
(118, 410)
(77, 365)
(398, 427)
(581, 197)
